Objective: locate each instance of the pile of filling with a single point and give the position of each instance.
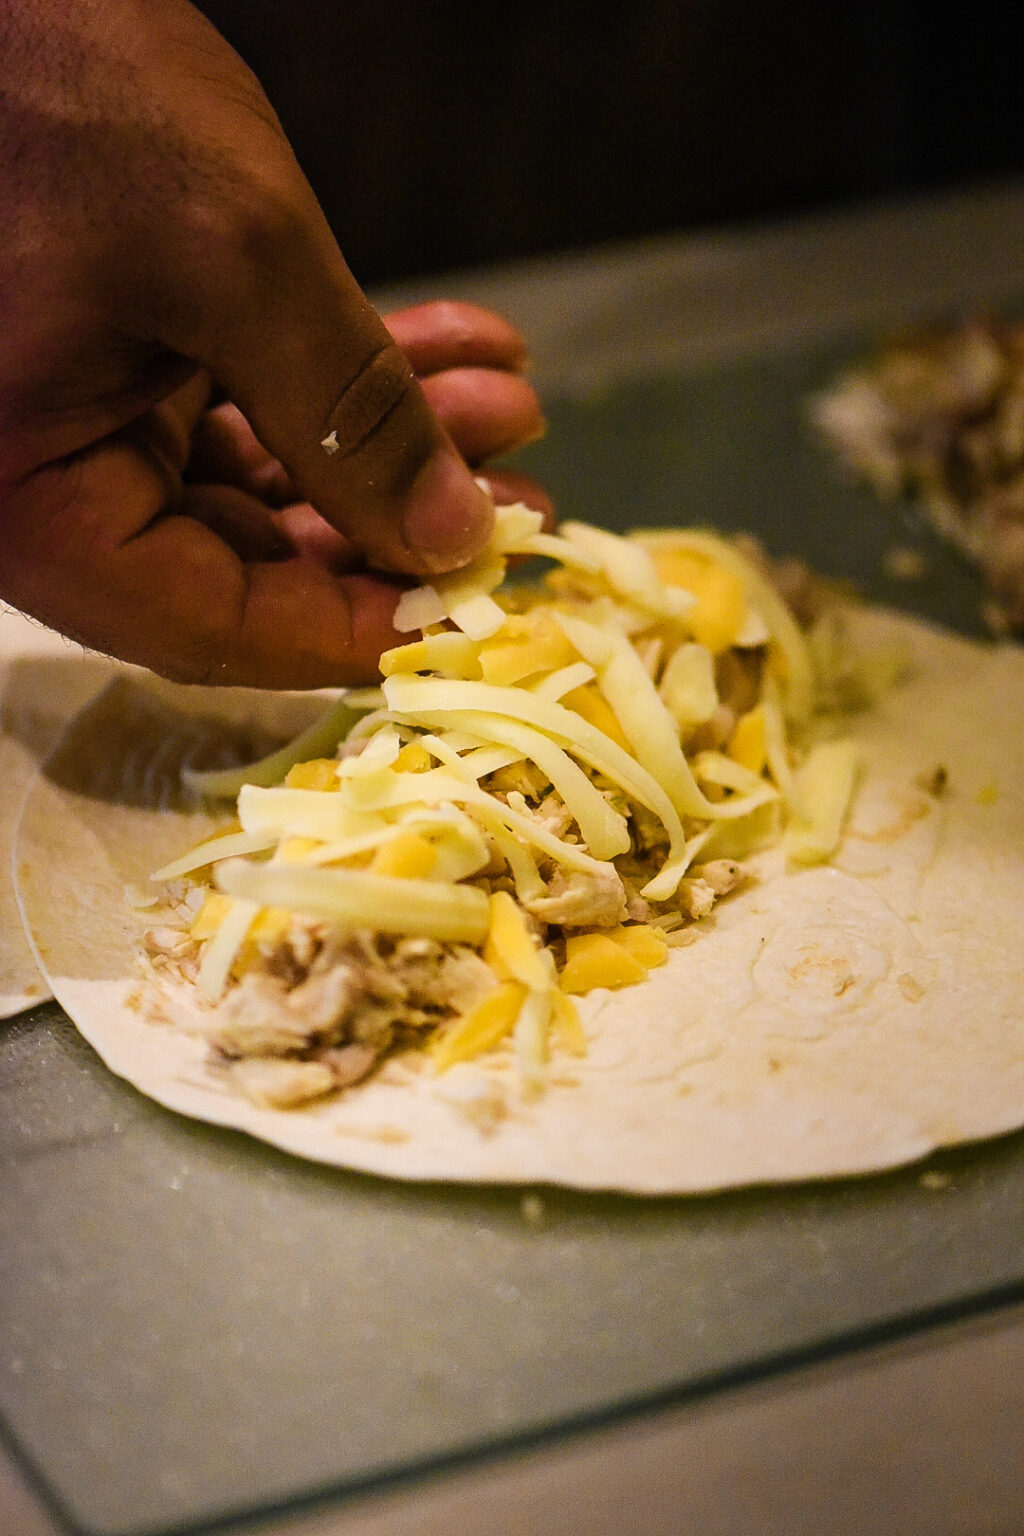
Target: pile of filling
(939, 415)
(554, 783)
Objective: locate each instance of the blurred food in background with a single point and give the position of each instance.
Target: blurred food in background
(938, 415)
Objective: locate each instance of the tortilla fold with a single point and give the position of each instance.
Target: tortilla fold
(45, 680)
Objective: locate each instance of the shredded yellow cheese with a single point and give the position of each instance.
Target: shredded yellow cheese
(524, 758)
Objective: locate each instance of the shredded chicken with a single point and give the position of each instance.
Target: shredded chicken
(696, 898)
(256, 1018)
(172, 953)
(319, 1010)
(580, 899)
(553, 816)
(638, 910)
(520, 778)
(723, 875)
(282, 1084)
(169, 943)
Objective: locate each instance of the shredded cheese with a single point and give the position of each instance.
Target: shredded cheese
(530, 757)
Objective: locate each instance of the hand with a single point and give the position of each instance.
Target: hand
(468, 361)
(163, 255)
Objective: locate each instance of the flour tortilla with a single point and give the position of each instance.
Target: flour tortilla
(45, 680)
(829, 1021)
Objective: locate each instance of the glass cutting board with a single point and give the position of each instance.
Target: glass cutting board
(193, 1325)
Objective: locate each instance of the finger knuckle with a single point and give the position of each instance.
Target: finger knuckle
(380, 385)
(263, 223)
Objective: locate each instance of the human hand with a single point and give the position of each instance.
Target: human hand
(161, 237)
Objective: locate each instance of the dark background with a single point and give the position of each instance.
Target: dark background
(443, 134)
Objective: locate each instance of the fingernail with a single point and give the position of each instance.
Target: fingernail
(448, 518)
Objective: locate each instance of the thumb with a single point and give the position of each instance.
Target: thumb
(271, 309)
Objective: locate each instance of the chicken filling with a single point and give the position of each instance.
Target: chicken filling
(552, 787)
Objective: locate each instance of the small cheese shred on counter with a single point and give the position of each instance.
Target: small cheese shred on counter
(552, 785)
